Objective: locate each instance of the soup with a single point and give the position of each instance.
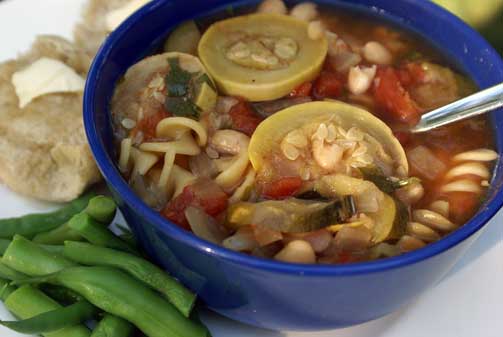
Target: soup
(279, 133)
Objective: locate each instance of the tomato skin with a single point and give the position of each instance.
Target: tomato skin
(244, 118)
(411, 73)
(282, 188)
(147, 125)
(391, 96)
(303, 90)
(328, 84)
(206, 195)
(403, 137)
(462, 205)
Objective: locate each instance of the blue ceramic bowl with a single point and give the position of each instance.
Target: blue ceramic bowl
(262, 292)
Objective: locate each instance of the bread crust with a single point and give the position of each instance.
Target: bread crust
(43, 147)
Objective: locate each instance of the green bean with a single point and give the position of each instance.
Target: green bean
(95, 233)
(60, 294)
(176, 293)
(54, 320)
(119, 294)
(112, 326)
(32, 224)
(58, 235)
(53, 248)
(5, 289)
(10, 274)
(27, 302)
(4, 243)
(29, 258)
(101, 209)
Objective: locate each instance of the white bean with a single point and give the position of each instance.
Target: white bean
(474, 168)
(375, 52)
(353, 239)
(315, 30)
(298, 251)
(441, 207)
(462, 185)
(476, 155)
(408, 243)
(305, 11)
(360, 79)
(272, 7)
(411, 193)
(327, 156)
(422, 232)
(433, 220)
(229, 141)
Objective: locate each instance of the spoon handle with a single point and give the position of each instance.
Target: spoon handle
(483, 101)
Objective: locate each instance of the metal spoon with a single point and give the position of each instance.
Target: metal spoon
(483, 101)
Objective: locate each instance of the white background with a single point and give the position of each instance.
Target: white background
(467, 303)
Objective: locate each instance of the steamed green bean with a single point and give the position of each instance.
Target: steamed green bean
(100, 208)
(97, 234)
(32, 224)
(143, 270)
(54, 320)
(27, 302)
(119, 294)
(112, 326)
(27, 257)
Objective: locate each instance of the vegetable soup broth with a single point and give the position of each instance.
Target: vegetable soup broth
(264, 133)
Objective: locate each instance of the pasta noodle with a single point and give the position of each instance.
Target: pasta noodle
(233, 142)
(125, 152)
(169, 161)
(184, 145)
(231, 176)
(143, 161)
(241, 192)
(179, 179)
(173, 127)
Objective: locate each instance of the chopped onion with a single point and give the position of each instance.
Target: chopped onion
(319, 240)
(424, 161)
(148, 190)
(350, 239)
(204, 226)
(265, 109)
(202, 166)
(344, 60)
(242, 240)
(265, 236)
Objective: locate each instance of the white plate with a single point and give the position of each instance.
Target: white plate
(467, 303)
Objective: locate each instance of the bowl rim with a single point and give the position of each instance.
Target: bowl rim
(113, 177)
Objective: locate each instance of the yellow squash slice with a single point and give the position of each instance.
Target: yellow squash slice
(261, 56)
(268, 136)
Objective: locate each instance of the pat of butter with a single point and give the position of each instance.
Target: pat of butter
(117, 16)
(45, 76)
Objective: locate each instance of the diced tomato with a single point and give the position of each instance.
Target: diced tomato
(391, 96)
(328, 84)
(462, 205)
(206, 195)
(411, 73)
(182, 161)
(403, 137)
(303, 90)
(244, 118)
(282, 188)
(147, 125)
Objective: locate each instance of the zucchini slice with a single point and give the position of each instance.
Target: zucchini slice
(261, 56)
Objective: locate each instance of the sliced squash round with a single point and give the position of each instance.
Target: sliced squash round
(333, 124)
(261, 56)
(143, 90)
